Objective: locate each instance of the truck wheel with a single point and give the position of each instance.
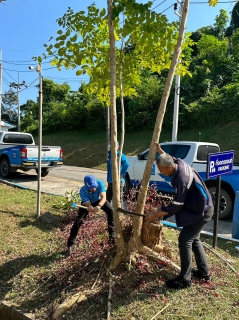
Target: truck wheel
(225, 204)
(44, 172)
(5, 168)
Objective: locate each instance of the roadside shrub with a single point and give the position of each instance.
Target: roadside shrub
(220, 105)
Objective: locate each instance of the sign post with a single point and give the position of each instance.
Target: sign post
(218, 163)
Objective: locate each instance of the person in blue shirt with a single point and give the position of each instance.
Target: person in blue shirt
(123, 170)
(193, 208)
(93, 196)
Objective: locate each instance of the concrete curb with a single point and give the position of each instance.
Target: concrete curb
(9, 312)
(19, 186)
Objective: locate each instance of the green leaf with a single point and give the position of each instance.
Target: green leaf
(74, 38)
(102, 12)
(79, 72)
(63, 37)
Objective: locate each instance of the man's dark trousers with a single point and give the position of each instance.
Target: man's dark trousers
(189, 240)
(83, 213)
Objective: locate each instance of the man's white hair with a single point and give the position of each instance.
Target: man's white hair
(165, 160)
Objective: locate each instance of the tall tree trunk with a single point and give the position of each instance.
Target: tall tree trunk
(122, 106)
(137, 222)
(113, 118)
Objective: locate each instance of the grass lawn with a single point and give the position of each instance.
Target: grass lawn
(37, 277)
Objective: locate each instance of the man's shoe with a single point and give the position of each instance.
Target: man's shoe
(178, 283)
(70, 241)
(200, 276)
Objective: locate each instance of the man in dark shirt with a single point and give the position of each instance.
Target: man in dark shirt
(193, 208)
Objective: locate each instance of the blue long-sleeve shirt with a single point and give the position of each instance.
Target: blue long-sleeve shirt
(123, 168)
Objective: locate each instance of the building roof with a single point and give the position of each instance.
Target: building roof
(6, 124)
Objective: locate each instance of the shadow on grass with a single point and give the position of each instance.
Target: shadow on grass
(46, 222)
(13, 268)
(9, 212)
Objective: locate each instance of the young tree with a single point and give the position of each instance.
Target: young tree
(152, 40)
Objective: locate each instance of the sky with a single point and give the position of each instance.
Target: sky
(26, 25)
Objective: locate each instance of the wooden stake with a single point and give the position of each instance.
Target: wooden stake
(109, 299)
(154, 317)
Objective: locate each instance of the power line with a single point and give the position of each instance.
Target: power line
(6, 81)
(27, 70)
(217, 3)
(21, 64)
(167, 8)
(158, 5)
(9, 75)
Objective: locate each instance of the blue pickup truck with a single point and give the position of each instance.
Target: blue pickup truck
(195, 154)
(18, 151)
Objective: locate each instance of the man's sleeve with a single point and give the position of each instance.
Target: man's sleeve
(178, 201)
(124, 165)
(84, 195)
(101, 186)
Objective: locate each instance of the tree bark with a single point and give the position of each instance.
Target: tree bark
(113, 119)
(137, 222)
(135, 244)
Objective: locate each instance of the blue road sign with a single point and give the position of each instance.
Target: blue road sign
(220, 163)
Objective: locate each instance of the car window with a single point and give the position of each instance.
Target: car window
(166, 148)
(17, 138)
(204, 150)
(181, 151)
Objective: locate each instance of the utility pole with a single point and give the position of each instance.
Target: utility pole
(18, 86)
(177, 83)
(39, 71)
(0, 89)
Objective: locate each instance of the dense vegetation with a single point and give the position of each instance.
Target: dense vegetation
(208, 97)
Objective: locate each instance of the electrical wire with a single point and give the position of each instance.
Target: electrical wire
(9, 75)
(198, 2)
(6, 81)
(27, 70)
(158, 4)
(21, 64)
(167, 8)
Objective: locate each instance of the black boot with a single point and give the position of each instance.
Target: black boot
(178, 283)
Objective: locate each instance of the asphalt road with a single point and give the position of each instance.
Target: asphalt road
(70, 178)
(58, 181)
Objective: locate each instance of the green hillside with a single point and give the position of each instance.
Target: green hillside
(88, 149)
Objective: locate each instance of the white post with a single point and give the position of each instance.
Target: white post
(0, 89)
(177, 90)
(176, 108)
(38, 69)
(18, 104)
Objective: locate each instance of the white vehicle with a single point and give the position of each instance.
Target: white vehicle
(195, 154)
(18, 151)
